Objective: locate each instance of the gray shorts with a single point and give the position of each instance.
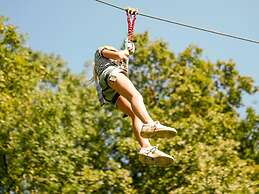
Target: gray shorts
(109, 74)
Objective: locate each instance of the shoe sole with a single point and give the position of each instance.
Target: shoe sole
(158, 134)
(161, 161)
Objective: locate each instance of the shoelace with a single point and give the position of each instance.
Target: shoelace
(155, 125)
(152, 150)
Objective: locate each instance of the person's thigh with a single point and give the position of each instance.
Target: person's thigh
(121, 84)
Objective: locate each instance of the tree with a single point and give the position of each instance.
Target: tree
(200, 99)
(47, 124)
(55, 138)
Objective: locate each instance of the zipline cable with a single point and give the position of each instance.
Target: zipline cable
(184, 25)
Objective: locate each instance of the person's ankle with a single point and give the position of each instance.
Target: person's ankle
(146, 146)
(149, 122)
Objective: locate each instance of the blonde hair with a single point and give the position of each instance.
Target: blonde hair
(94, 78)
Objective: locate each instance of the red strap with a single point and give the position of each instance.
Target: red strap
(131, 26)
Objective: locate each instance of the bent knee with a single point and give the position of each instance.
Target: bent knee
(136, 96)
(125, 107)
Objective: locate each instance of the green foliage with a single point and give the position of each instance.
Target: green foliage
(248, 136)
(55, 138)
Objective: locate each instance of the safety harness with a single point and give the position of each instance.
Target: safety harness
(131, 19)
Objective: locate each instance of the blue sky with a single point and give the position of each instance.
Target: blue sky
(74, 29)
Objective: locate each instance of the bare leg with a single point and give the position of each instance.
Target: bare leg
(147, 154)
(124, 105)
(125, 88)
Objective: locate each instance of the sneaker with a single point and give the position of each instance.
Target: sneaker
(156, 130)
(153, 156)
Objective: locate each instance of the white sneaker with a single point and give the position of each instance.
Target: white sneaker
(153, 156)
(156, 130)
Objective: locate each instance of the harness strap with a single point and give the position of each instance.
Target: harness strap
(131, 14)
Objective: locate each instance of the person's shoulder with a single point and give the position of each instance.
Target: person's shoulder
(99, 50)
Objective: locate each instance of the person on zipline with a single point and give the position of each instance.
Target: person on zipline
(114, 86)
